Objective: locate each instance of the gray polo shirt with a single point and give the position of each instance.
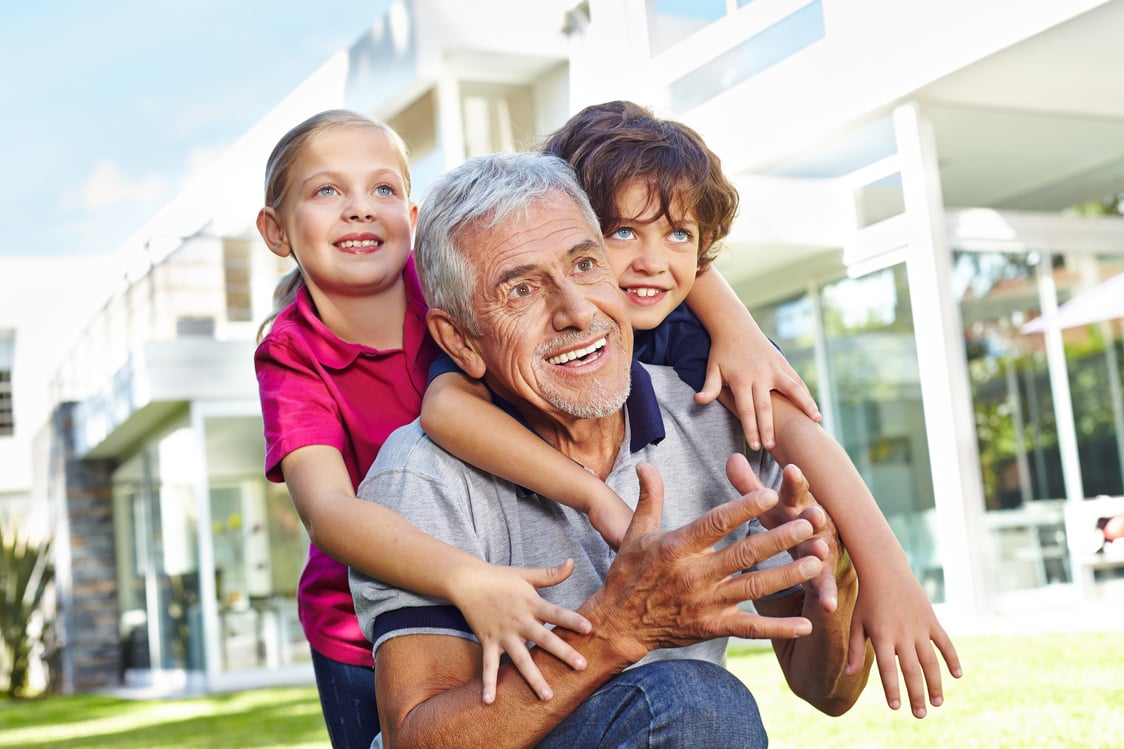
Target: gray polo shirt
(505, 524)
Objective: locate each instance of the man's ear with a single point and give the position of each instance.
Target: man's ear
(451, 337)
(269, 226)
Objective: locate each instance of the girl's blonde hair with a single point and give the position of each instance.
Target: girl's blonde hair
(280, 164)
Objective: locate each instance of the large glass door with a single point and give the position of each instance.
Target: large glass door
(1047, 399)
(854, 345)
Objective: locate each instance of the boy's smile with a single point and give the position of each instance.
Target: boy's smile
(654, 260)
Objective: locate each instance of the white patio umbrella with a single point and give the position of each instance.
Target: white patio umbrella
(1105, 301)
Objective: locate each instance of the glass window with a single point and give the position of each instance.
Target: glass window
(756, 54)
(158, 570)
(259, 547)
(871, 360)
(871, 364)
(7, 364)
(1016, 423)
(672, 21)
(236, 266)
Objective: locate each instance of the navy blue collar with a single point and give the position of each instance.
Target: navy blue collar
(644, 420)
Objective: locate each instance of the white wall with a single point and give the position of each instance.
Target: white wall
(47, 302)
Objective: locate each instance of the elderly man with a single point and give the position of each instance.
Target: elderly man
(521, 295)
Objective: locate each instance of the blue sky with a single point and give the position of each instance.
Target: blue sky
(107, 108)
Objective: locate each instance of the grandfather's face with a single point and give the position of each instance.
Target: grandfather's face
(554, 330)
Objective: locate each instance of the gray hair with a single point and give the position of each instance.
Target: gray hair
(482, 193)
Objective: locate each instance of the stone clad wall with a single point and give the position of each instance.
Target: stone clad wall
(88, 617)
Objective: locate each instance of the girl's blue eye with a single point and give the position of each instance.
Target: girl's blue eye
(384, 190)
(326, 190)
(623, 232)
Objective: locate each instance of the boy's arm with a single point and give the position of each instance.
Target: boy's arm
(743, 358)
(458, 415)
(893, 609)
(500, 603)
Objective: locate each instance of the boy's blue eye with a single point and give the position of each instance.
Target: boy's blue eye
(384, 190)
(681, 235)
(326, 190)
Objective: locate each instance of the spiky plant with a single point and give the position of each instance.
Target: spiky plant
(26, 573)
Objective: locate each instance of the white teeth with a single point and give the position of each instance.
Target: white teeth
(577, 353)
(348, 244)
(645, 291)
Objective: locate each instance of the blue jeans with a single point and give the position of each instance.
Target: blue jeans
(671, 704)
(347, 699)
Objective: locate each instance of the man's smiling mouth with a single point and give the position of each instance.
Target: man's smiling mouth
(580, 353)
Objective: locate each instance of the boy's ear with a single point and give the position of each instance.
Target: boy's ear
(456, 343)
(269, 226)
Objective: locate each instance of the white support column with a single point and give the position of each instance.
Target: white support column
(1059, 387)
(946, 395)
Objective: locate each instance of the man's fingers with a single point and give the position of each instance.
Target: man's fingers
(720, 521)
(649, 505)
(741, 476)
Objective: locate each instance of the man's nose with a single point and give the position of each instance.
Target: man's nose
(572, 307)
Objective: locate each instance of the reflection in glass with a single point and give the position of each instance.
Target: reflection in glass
(871, 362)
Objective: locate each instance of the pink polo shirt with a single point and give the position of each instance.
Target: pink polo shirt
(319, 390)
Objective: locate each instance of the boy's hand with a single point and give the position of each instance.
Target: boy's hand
(751, 368)
(506, 612)
(609, 516)
(898, 618)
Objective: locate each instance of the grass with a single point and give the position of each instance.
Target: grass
(1053, 691)
(1056, 691)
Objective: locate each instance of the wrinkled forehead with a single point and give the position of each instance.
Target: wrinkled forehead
(549, 225)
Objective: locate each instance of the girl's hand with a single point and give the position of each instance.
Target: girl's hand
(504, 609)
(894, 612)
(751, 367)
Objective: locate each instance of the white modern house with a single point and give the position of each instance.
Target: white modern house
(908, 173)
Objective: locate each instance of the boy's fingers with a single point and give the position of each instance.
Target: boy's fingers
(888, 672)
(758, 420)
(712, 385)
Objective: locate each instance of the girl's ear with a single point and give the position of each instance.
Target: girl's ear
(269, 226)
(456, 343)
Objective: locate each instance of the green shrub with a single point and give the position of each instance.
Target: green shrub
(26, 574)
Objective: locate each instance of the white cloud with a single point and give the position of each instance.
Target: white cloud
(109, 186)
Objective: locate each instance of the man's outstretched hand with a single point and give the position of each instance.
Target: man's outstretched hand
(667, 589)
(796, 502)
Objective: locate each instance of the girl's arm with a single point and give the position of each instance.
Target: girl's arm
(892, 610)
(500, 603)
(458, 415)
(743, 358)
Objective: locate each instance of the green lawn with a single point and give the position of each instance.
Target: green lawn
(1043, 691)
